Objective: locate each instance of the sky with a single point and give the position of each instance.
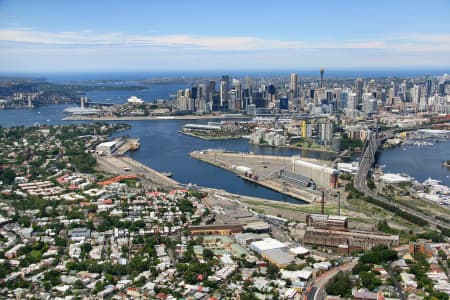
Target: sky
(85, 35)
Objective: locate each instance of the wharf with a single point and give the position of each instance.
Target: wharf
(129, 145)
(265, 167)
(123, 165)
(118, 164)
(211, 138)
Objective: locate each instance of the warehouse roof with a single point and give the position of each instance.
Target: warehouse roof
(266, 244)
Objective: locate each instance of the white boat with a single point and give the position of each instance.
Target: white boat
(135, 100)
(431, 182)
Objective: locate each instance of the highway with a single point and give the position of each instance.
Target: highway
(366, 162)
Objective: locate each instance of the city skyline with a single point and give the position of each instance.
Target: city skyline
(113, 36)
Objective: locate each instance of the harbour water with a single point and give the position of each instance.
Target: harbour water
(419, 162)
(164, 149)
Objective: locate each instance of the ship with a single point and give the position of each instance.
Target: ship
(167, 174)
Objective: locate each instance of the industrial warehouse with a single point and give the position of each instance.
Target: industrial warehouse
(321, 175)
(332, 232)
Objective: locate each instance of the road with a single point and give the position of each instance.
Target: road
(366, 162)
(398, 287)
(318, 289)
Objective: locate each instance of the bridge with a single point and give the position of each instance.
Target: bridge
(373, 143)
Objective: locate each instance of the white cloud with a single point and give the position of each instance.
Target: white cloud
(26, 49)
(89, 38)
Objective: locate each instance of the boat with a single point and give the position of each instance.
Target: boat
(167, 174)
(135, 100)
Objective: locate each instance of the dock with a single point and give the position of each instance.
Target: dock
(123, 165)
(120, 165)
(266, 168)
(130, 144)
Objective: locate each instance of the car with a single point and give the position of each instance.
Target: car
(126, 169)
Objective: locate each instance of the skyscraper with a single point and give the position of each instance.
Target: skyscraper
(293, 85)
(211, 90)
(358, 90)
(429, 87)
(224, 87)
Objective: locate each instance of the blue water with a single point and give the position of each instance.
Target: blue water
(64, 77)
(418, 162)
(164, 149)
(152, 92)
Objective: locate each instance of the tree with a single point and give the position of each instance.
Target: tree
(7, 175)
(379, 254)
(272, 271)
(340, 285)
(53, 277)
(369, 280)
(208, 254)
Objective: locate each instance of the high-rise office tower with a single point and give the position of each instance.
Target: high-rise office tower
(223, 93)
(359, 90)
(391, 95)
(352, 103)
(338, 98)
(371, 86)
(293, 85)
(194, 92)
(211, 90)
(239, 103)
(224, 87)
(344, 99)
(202, 91)
(429, 87)
(415, 94)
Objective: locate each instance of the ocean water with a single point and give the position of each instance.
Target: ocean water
(77, 77)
